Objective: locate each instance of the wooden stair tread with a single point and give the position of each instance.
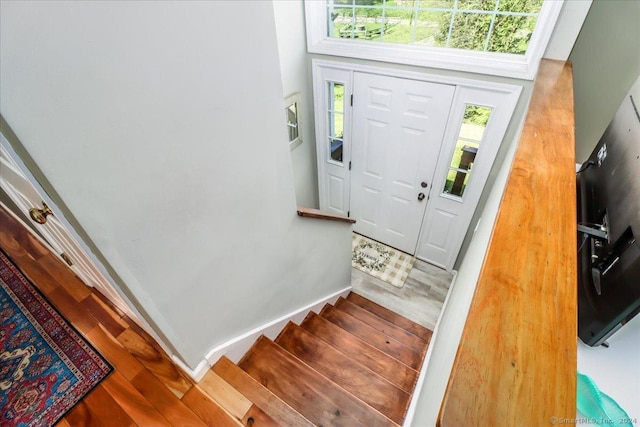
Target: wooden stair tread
(386, 366)
(391, 316)
(387, 328)
(318, 399)
(352, 376)
(207, 409)
(256, 416)
(236, 404)
(271, 404)
(374, 337)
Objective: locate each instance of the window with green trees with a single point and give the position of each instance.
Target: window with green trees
(335, 98)
(503, 26)
(468, 143)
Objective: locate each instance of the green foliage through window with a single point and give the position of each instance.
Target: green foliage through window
(482, 25)
(474, 123)
(476, 115)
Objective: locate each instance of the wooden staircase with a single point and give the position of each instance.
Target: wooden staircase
(354, 364)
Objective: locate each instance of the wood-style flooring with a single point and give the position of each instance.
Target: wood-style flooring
(355, 363)
(146, 388)
(420, 299)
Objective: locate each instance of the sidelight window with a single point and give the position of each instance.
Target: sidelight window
(292, 113)
(335, 97)
(468, 143)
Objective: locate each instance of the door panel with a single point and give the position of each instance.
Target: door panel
(25, 196)
(398, 126)
(478, 122)
(336, 193)
(331, 91)
(377, 134)
(437, 237)
(371, 197)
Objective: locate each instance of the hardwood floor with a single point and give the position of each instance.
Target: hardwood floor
(354, 364)
(146, 388)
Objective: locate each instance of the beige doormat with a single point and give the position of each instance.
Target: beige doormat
(378, 260)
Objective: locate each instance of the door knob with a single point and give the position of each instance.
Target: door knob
(40, 215)
(421, 196)
(423, 184)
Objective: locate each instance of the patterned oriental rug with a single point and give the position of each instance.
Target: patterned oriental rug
(381, 261)
(46, 366)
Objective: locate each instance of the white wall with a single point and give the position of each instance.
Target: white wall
(161, 127)
(568, 25)
(606, 62)
(296, 77)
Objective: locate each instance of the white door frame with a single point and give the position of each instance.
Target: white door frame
(97, 270)
(322, 68)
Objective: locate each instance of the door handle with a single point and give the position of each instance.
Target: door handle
(421, 196)
(40, 215)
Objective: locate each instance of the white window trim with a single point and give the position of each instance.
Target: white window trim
(492, 63)
(290, 100)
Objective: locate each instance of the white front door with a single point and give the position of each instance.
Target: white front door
(24, 194)
(398, 128)
(477, 125)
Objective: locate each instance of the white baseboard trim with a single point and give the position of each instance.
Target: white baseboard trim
(423, 371)
(196, 374)
(235, 348)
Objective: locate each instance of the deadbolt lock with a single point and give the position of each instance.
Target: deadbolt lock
(423, 184)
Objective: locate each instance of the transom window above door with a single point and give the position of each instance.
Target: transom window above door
(484, 25)
(500, 37)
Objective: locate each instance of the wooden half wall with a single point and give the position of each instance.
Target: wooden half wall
(516, 362)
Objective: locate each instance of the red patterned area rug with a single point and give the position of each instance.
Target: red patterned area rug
(46, 366)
